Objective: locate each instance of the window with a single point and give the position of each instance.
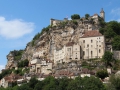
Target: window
(91, 41)
(83, 41)
(83, 52)
(91, 53)
(87, 45)
(99, 51)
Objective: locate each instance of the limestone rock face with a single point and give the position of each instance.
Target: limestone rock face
(10, 63)
(56, 37)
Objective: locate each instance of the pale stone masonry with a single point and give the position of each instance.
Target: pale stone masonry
(92, 45)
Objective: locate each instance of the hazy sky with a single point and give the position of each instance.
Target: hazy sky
(20, 20)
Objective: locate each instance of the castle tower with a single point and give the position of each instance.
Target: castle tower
(102, 14)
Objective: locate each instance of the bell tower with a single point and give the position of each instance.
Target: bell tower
(102, 14)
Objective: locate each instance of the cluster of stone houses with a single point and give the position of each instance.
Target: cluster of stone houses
(90, 45)
(7, 81)
(10, 80)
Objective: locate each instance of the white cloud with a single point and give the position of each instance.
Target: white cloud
(116, 12)
(2, 67)
(15, 28)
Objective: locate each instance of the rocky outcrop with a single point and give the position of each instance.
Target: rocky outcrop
(53, 37)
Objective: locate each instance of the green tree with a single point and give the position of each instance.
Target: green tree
(102, 22)
(39, 85)
(115, 26)
(114, 83)
(107, 57)
(63, 83)
(75, 16)
(102, 30)
(87, 16)
(5, 72)
(109, 33)
(102, 74)
(33, 81)
(76, 84)
(116, 43)
(72, 85)
(23, 63)
(18, 71)
(17, 54)
(92, 83)
(50, 83)
(24, 87)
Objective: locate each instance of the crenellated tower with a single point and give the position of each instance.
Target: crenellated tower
(102, 14)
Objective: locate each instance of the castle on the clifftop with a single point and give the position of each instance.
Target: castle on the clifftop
(95, 17)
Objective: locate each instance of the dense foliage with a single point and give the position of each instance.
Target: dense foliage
(114, 83)
(50, 83)
(23, 63)
(87, 16)
(75, 16)
(116, 43)
(102, 74)
(107, 58)
(5, 72)
(17, 54)
(111, 30)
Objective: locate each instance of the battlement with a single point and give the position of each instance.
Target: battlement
(95, 17)
(54, 22)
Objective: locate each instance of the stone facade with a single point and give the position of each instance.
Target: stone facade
(41, 66)
(92, 45)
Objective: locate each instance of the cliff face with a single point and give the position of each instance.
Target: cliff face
(52, 37)
(13, 58)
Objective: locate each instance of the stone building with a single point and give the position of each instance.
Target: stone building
(92, 44)
(7, 81)
(41, 66)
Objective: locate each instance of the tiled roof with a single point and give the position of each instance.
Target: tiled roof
(92, 33)
(70, 44)
(12, 77)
